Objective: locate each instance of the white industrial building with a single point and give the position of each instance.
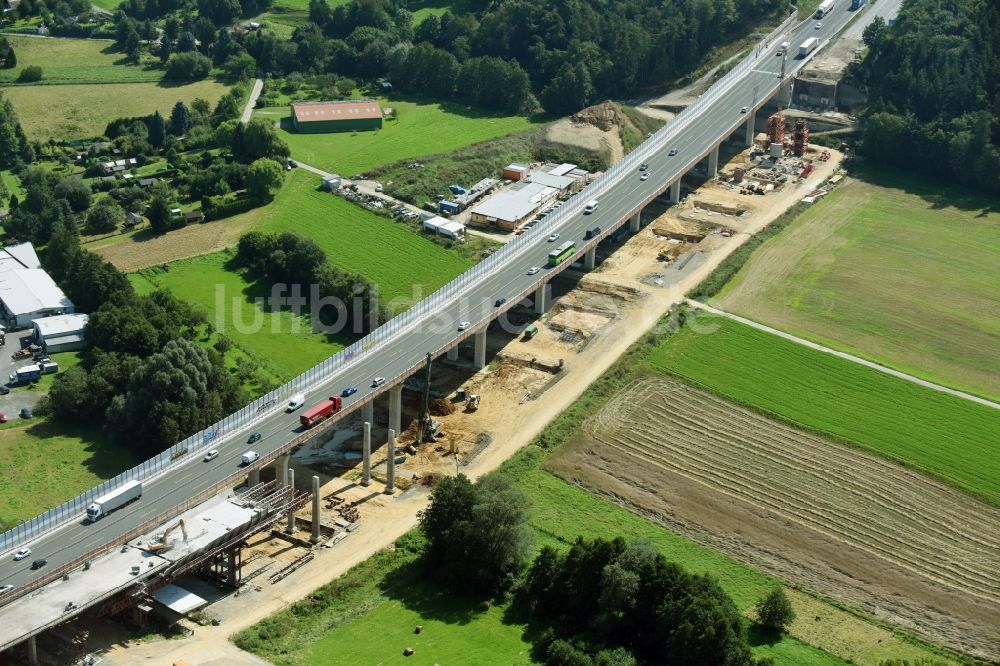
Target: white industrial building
(26, 291)
(443, 227)
(60, 332)
(512, 207)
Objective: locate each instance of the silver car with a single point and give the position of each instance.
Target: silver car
(211, 455)
(533, 270)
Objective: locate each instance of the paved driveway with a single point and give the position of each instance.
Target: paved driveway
(20, 396)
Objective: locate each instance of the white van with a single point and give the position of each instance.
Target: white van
(589, 208)
(295, 402)
(249, 457)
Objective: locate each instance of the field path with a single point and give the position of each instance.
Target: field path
(844, 355)
(258, 85)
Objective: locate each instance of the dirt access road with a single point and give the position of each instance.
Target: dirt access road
(834, 519)
(508, 419)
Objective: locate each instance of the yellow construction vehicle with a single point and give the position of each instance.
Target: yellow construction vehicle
(161, 540)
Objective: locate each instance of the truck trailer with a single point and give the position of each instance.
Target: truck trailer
(858, 4)
(28, 373)
(320, 412)
(808, 46)
(116, 499)
(824, 8)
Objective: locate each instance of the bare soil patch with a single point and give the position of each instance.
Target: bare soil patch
(852, 526)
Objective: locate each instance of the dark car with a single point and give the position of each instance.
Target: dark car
(4, 390)
(25, 413)
(673, 151)
(500, 301)
(349, 391)
(39, 563)
(643, 166)
(254, 438)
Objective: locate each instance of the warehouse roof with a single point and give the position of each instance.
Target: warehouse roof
(310, 112)
(21, 255)
(514, 204)
(27, 290)
(59, 325)
(551, 180)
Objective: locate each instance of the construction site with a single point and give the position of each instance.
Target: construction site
(455, 419)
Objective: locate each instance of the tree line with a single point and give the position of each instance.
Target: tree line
(597, 603)
(933, 85)
(287, 258)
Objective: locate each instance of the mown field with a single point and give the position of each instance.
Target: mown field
(947, 437)
(77, 61)
(896, 270)
(405, 265)
(85, 85)
(421, 128)
(280, 342)
(52, 464)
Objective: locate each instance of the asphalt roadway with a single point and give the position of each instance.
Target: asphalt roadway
(277, 427)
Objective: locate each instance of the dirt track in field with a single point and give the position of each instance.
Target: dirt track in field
(834, 519)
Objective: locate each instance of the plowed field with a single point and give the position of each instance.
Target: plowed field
(839, 521)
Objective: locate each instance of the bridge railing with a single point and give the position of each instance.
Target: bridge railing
(201, 441)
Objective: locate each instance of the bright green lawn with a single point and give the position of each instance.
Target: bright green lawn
(422, 128)
(900, 270)
(281, 342)
(13, 186)
(948, 437)
(77, 61)
(360, 241)
(52, 465)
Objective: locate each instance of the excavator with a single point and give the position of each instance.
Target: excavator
(161, 540)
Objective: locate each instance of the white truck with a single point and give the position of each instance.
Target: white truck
(808, 46)
(824, 8)
(116, 499)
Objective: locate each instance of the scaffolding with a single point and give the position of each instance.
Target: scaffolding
(776, 128)
(800, 138)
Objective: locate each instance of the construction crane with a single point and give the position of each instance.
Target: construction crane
(161, 540)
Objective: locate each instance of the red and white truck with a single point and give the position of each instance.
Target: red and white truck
(321, 411)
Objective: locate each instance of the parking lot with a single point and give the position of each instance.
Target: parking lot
(21, 396)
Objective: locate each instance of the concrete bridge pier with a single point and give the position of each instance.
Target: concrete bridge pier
(590, 258)
(675, 191)
(253, 478)
(282, 472)
(390, 464)
(366, 455)
(315, 513)
(542, 295)
(368, 411)
(396, 408)
(33, 651)
(633, 223)
(452, 354)
(713, 162)
(480, 355)
(750, 127)
(290, 527)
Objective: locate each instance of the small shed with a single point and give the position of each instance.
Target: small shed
(194, 216)
(331, 183)
(443, 227)
(515, 171)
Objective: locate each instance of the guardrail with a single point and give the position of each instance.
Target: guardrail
(203, 440)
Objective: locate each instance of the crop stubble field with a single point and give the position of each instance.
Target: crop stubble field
(852, 526)
(886, 270)
(85, 85)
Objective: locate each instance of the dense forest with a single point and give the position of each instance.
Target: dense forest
(933, 81)
(510, 55)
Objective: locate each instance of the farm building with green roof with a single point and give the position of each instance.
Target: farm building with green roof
(345, 116)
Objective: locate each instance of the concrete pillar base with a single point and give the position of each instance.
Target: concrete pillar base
(452, 354)
(368, 411)
(713, 162)
(634, 223)
(315, 512)
(390, 464)
(675, 191)
(542, 298)
(290, 527)
(366, 455)
(253, 478)
(750, 125)
(281, 473)
(590, 259)
(480, 355)
(396, 408)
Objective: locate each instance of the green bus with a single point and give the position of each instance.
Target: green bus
(562, 253)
